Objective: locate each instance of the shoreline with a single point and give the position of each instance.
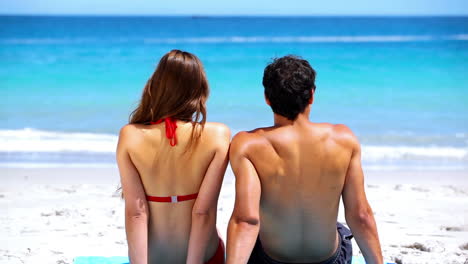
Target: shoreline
(110, 174)
(51, 215)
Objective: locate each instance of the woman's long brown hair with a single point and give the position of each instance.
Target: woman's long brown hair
(178, 89)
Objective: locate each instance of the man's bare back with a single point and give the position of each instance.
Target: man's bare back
(302, 169)
(290, 178)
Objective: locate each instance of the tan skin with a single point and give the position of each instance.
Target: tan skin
(289, 181)
(183, 232)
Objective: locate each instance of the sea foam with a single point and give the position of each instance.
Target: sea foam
(373, 153)
(31, 140)
(38, 141)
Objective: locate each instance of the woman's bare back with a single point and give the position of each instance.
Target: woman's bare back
(167, 170)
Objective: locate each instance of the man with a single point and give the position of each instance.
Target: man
(289, 180)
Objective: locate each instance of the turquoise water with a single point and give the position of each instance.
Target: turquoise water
(69, 83)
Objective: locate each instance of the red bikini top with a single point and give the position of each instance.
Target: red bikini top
(171, 199)
(171, 125)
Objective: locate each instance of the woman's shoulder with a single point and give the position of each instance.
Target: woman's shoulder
(129, 130)
(219, 128)
(130, 133)
(217, 131)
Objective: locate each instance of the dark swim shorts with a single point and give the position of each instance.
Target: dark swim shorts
(343, 254)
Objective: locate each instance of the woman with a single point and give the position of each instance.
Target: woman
(172, 163)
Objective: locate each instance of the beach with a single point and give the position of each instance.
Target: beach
(69, 83)
(52, 215)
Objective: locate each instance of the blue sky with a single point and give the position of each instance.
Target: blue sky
(236, 7)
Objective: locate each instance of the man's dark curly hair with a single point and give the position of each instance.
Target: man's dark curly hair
(289, 82)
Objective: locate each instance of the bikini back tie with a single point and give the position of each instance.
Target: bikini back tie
(171, 125)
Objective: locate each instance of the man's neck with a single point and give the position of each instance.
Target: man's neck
(302, 118)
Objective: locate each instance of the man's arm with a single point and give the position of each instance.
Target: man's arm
(244, 224)
(136, 207)
(204, 209)
(358, 212)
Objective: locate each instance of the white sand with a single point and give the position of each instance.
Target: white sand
(52, 215)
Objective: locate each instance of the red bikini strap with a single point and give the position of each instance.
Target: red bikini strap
(171, 199)
(171, 125)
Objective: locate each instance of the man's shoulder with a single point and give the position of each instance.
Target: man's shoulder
(252, 135)
(245, 141)
(342, 134)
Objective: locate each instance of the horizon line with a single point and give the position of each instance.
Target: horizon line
(233, 15)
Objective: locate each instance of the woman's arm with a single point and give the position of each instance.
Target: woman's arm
(205, 207)
(136, 206)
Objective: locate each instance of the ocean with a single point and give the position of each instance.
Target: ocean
(68, 84)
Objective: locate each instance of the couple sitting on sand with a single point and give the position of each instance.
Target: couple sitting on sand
(289, 177)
